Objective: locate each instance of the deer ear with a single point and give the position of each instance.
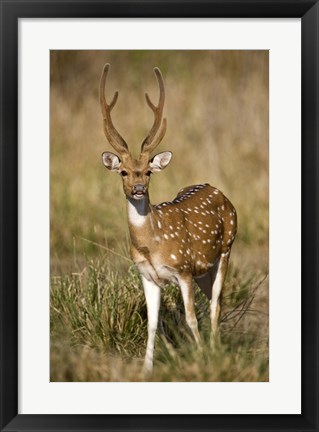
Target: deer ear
(160, 161)
(111, 161)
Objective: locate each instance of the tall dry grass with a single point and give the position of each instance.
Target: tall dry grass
(217, 111)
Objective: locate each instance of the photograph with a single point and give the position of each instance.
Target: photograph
(159, 216)
(159, 276)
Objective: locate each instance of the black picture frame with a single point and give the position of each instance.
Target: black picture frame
(11, 11)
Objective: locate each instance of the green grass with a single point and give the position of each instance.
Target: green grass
(102, 316)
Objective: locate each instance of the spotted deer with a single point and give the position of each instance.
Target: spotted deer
(175, 241)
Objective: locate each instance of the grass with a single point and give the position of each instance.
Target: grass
(217, 111)
(101, 314)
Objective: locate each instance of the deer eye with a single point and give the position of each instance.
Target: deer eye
(149, 173)
(123, 173)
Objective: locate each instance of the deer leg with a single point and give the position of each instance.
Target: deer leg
(215, 301)
(153, 300)
(188, 298)
(205, 282)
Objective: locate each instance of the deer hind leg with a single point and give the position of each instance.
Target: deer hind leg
(153, 299)
(205, 282)
(186, 286)
(219, 279)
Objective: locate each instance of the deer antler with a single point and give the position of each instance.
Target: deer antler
(114, 138)
(149, 142)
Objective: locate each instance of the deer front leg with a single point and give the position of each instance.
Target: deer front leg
(186, 286)
(153, 300)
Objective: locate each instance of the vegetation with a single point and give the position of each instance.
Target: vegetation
(217, 111)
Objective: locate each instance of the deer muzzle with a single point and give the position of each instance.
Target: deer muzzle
(138, 191)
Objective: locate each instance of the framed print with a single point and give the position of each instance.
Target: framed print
(224, 335)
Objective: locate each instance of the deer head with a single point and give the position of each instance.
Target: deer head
(135, 173)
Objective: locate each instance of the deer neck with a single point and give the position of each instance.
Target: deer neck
(140, 218)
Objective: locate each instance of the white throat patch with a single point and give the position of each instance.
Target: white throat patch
(137, 211)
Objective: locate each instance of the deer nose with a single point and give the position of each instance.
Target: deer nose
(139, 189)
